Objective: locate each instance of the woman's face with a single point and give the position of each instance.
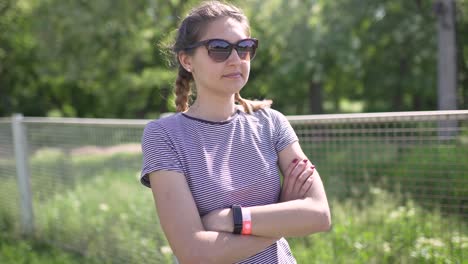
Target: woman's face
(220, 78)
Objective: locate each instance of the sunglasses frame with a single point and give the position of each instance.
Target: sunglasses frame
(231, 46)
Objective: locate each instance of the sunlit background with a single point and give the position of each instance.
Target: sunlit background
(87, 75)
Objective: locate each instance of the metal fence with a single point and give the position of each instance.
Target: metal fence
(74, 182)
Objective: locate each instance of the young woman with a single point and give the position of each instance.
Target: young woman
(214, 167)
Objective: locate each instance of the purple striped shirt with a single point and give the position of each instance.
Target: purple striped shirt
(224, 163)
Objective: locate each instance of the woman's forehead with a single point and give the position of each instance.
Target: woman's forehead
(226, 28)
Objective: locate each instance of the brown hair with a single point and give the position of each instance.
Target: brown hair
(189, 32)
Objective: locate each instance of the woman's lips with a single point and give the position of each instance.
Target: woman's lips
(233, 75)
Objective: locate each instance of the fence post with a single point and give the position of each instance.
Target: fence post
(22, 170)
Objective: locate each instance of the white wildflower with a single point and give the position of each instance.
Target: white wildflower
(358, 245)
(103, 207)
(375, 191)
(398, 212)
(410, 212)
(434, 242)
(462, 241)
(144, 242)
(386, 247)
(402, 211)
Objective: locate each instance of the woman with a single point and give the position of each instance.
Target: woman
(214, 166)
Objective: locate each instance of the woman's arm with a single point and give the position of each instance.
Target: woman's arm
(298, 217)
(184, 230)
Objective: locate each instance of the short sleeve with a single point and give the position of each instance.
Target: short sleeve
(284, 132)
(158, 152)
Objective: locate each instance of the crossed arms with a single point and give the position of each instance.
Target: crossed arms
(303, 210)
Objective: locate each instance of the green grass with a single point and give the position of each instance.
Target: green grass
(381, 228)
(108, 217)
(13, 251)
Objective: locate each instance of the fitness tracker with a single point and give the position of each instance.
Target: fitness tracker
(237, 217)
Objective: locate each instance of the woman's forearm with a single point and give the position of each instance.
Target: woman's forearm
(222, 247)
(288, 219)
(298, 217)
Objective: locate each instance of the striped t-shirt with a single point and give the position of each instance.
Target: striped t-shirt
(224, 163)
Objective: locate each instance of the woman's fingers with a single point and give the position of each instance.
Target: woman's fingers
(308, 182)
(297, 174)
(291, 166)
(288, 180)
(298, 180)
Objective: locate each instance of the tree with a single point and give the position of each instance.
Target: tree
(379, 52)
(18, 59)
(103, 58)
(89, 58)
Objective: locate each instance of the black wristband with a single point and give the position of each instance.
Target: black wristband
(237, 217)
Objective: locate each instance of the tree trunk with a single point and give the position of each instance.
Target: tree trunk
(397, 99)
(447, 67)
(316, 97)
(417, 103)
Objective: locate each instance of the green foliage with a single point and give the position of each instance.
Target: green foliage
(14, 251)
(97, 209)
(106, 215)
(428, 173)
(379, 52)
(447, 189)
(100, 211)
(87, 59)
(9, 197)
(53, 170)
(105, 58)
(18, 59)
(382, 228)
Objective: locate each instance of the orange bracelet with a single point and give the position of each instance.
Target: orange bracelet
(246, 221)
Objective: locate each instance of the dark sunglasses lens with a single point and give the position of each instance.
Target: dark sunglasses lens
(246, 49)
(219, 50)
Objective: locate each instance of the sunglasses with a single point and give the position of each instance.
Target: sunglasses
(219, 50)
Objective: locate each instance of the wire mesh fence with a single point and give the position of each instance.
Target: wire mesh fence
(425, 154)
(397, 185)
(9, 197)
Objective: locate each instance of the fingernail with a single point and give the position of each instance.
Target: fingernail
(312, 167)
(294, 161)
(305, 161)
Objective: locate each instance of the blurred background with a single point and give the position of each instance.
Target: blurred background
(106, 58)
(87, 75)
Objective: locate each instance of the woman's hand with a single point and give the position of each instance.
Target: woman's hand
(297, 180)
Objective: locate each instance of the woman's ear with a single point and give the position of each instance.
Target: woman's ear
(185, 60)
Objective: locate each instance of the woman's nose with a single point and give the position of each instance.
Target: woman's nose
(234, 56)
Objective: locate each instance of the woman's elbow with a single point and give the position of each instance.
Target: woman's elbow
(195, 252)
(326, 219)
(192, 255)
(192, 259)
(321, 219)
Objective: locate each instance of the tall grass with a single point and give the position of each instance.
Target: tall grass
(95, 206)
(382, 228)
(13, 251)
